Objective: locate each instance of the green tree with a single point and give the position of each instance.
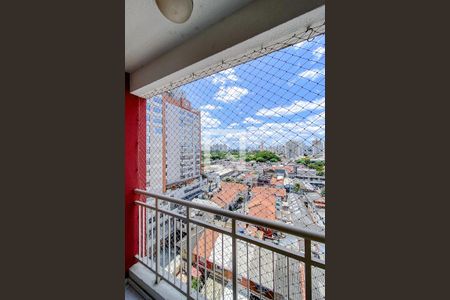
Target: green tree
(319, 166)
(263, 156)
(215, 155)
(194, 283)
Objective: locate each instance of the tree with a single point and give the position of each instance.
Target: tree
(215, 155)
(319, 166)
(304, 161)
(194, 283)
(263, 156)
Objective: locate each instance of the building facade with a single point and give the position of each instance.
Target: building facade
(317, 148)
(219, 147)
(293, 149)
(174, 143)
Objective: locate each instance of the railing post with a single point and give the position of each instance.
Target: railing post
(308, 238)
(234, 255)
(308, 277)
(140, 232)
(158, 254)
(189, 253)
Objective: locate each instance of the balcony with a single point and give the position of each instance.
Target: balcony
(249, 105)
(207, 258)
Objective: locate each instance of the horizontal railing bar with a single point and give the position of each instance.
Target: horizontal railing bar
(210, 226)
(307, 234)
(193, 221)
(280, 250)
(251, 240)
(320, 263)
(273, 248)
(317, 264)
(314, 263)
(162, 210)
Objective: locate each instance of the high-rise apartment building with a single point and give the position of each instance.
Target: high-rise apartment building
(280, 150)
(293, 149)
(174, 143)
(317, 147)
(219, 147)
(261, 146)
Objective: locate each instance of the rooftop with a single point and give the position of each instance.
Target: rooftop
(254, 262)
(262, 203)
(289, 169)
(277, 181)
(228, 193)
(269, 190)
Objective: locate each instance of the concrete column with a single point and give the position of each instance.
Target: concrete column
(135, 168)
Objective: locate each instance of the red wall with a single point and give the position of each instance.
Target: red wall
(134, 168)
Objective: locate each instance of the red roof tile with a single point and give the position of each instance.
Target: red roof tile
(228, 193)
(262, 204)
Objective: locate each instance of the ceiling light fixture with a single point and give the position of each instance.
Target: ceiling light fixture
(177, 11)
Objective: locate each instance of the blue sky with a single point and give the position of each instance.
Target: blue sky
(271, 99)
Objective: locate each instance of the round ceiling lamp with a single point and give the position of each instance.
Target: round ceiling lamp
(177, 11)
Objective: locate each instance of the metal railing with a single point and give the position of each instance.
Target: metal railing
(248, 267)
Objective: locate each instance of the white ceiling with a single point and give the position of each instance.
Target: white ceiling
(148, 34)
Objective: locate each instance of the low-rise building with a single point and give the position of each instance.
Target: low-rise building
(306, 172)
(212, 182)
(263, 204)
(277, 182)
(259, 268)
(281, 170)
(264, 180)
(186, 190)
(229, 194)
(250, 179)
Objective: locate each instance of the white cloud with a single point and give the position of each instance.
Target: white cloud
(209, 107)
(319, 52)
(224, 77)
(208, 121)
(281, 132)
(292, 81)
(230, 94)
(312, 74)
(233, 125)
(227, 93)
(273, 133)
(294, 108)
(250, 120)
(299, 45)
(318, 119)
